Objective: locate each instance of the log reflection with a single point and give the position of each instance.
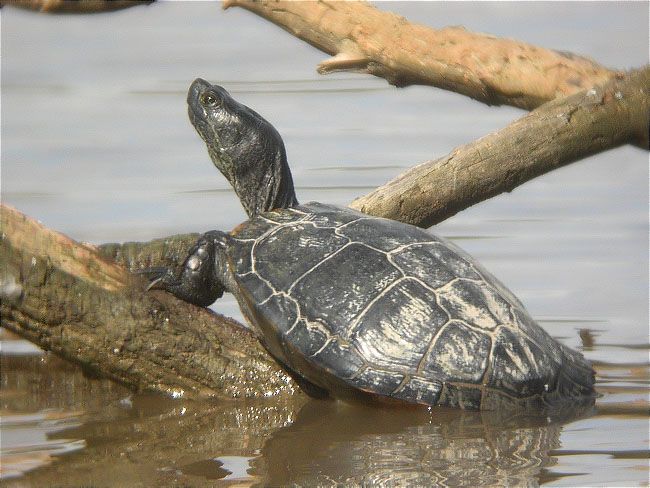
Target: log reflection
(149, 440)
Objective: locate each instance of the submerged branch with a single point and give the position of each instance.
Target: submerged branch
(489, 69)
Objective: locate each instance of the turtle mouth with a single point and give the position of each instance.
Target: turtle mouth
(198, 121)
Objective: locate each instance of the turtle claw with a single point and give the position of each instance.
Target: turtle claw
(152, 285)
(159, 277)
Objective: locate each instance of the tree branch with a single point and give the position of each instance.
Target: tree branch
(558, 133)
(489, 69)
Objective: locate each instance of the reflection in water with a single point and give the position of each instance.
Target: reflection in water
(25, 443)
(42, 397)
(334, 443)
(225, 468)
(139, 440)
(122, 439)
(155, 441)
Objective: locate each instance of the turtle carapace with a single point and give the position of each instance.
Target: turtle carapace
(359, 307)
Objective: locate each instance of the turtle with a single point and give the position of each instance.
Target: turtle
(356, 307)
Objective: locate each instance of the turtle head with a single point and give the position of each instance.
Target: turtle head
(243, 146)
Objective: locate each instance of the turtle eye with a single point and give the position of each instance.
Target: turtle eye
(209, 100)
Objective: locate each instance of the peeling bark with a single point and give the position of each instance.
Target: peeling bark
(486, 68)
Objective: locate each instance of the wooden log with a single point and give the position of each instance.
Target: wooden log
(558, 133)
(487, 68)
(65, 297)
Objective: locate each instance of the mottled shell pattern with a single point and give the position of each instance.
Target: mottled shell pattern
(353, 303)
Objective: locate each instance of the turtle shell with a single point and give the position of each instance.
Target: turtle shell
(364, 306)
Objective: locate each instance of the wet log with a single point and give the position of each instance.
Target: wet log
(493, 70)
(558, 133)
(66, 298)
(74, 6)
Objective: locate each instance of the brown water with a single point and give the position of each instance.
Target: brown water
(95, 143)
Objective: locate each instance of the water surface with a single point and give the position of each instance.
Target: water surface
(96, 144)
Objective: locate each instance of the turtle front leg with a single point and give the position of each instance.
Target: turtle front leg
(196, 281)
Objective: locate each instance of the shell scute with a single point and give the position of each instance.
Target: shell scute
(340, 287)
(283, 265)
(281, 311)
(420, 390)
(433, 264)
(285, 215)
(538, 335)
(258, 288)
(323, 215)
(476, 303)
(396, 330)
(387, 237)
(378, 380)
(252, 229)
(307, 337)
(243, 260)
(459, 354)
(339, 358)
(519, 367)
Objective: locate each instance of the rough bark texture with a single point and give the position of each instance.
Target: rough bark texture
(74, 6)
(66, 298)
(558, 133)
(489, 69)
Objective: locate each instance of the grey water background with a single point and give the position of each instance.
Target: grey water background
(96, 144)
